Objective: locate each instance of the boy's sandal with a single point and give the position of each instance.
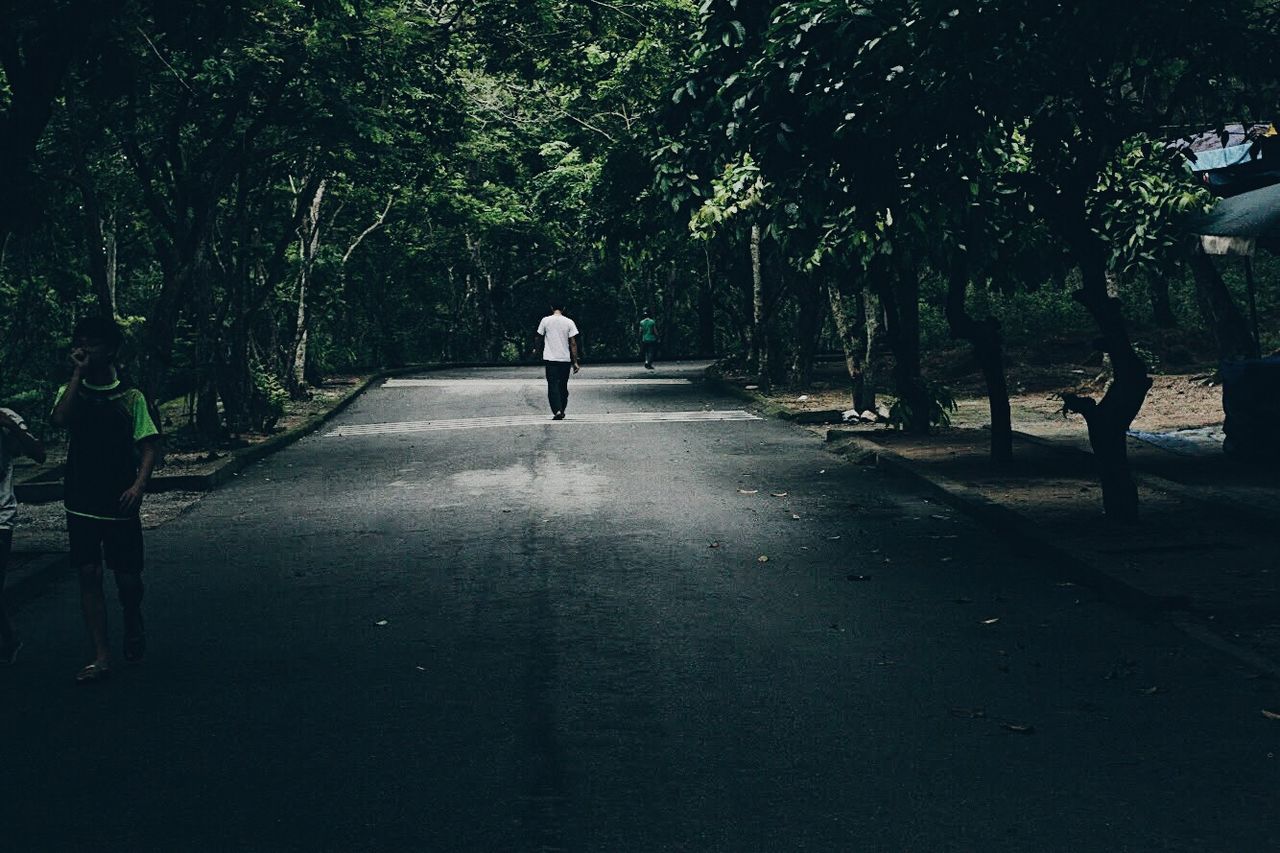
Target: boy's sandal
(95, 671)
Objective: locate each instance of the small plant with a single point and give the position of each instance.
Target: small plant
(941, 403)
(269, 397)
(1149, 358)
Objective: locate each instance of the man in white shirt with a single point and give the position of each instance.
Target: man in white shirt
(558, 342)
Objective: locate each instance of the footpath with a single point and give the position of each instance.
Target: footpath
(1202, 556)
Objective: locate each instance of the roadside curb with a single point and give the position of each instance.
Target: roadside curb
(770, 409)
(1023, 535)
(26, 578)
(1014, 528)
(236, 461)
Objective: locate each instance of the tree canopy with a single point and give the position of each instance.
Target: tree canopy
(265, 191)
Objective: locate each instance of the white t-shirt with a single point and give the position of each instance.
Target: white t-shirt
(556, 329)
(8, 451)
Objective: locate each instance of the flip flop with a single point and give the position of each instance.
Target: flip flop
(95, 671)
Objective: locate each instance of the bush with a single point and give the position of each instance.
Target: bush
(941, 404)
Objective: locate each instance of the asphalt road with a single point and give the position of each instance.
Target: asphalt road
(412, 632)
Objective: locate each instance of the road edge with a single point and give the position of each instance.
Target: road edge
(1021, 534)
(28, 578)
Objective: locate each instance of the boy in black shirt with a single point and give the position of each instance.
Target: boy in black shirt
(111, 450)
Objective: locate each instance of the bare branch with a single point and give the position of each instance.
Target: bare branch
(366, 232)
(159, 56)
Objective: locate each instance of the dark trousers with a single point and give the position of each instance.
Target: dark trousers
(558, 384)
(648, 348)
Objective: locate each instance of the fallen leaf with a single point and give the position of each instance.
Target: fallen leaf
(795, 517)
(748, 491)
(714, 545)
(779, 494)
(946, 559)
(940, 517)
(969, 713)
(1270, 715)
(823, 471)
(857, 577)
(422, 669)
(991, 621)
(1018, 728)
(381, 622)
(1150, 691)
(833, 538)
(763, 558)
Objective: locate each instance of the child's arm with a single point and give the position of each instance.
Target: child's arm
(131, 499)
(66, 405)
(28, 444)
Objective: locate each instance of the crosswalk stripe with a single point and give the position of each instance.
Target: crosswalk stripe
(520, 383)
(539, 420)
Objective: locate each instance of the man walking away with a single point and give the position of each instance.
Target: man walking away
(111, 449)
(15, 440)
(558, 341)
(648, 339)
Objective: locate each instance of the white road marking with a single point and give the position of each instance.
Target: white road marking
(539, 420)
(520, 383)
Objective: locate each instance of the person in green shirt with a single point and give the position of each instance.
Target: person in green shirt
(648, 339)
(111, 451)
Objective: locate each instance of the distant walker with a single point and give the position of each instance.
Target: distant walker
(558, 342)
(648, 339)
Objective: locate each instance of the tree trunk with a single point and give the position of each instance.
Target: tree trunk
(900, 293)
(208, 360)
(848, 321)
(808, 329)
(308, 245)
(707, 312)
(100, 247)
(984, 336)
(759, 340)
(1109, 420)
(1161, 306)
(179, 276)
(1223, 316)
(873, 331)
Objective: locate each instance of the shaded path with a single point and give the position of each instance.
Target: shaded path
(582, 651)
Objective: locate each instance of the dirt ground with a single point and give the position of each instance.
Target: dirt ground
(1175, 401)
